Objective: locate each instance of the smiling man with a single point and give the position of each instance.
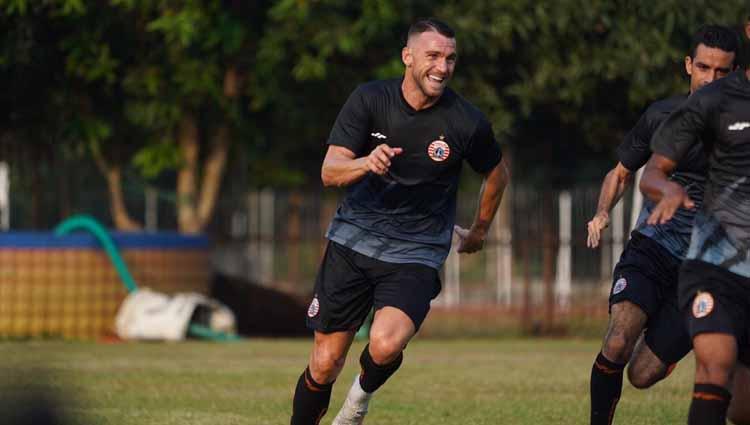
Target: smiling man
(398, 146)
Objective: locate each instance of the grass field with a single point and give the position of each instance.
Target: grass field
(441, 382)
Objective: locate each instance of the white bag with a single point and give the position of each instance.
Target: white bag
(149, 315)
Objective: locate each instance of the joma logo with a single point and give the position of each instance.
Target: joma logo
(739, 126)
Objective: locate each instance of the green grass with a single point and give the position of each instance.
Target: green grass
(252, 382)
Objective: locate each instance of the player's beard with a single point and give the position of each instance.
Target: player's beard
(431, 89)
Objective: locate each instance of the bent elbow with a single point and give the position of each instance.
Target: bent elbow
(325, 178)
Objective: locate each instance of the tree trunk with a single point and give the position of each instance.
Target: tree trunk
(117, 207)
(119, 210)
(187, 217)
(194, 213)
(213, 170)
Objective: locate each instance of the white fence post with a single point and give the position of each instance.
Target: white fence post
(452, 276)
(253, 224)
(618, 218)
(267, 234)
(637, 199)
(4, 196)
(563, 270)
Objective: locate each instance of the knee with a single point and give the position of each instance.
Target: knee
(617, 347)
(717, 373)
(326, 365)
(384, 348)
(642, 379)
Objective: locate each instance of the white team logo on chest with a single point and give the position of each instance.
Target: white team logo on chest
(438, 150)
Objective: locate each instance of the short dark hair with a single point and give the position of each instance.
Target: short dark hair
(430, 24)
(718, 37)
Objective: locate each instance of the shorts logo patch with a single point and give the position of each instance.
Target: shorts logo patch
(314, 308)
(620, 286)
(438, 150)
(703, 305)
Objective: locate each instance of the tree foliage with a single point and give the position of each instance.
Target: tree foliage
(158, 85)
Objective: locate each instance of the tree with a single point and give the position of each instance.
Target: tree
(152, 83)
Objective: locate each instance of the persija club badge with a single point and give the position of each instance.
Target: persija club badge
(314, 308)
(438, 150)
(703, 305)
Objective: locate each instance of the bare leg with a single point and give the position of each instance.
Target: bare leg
(313, 392)
(329, 355)
(645, 368)
(715, 358)
(391, 330)
(626, 322)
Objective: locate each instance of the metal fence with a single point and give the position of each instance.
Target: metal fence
(535, 265)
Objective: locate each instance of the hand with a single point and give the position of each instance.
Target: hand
(595, 227)
(469, 240)
(674, 198)
(379, 160)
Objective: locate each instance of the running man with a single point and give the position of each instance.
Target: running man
(644, 289)
(714, 282)
(398, 146)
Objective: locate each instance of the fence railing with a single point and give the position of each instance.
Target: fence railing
(535, 261)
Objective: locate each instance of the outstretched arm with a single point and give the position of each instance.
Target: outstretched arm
(342, 168)
(490, 195)
(614, 185)
(656, 186)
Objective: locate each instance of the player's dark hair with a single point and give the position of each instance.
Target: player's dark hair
(718, 37)
(430, 24)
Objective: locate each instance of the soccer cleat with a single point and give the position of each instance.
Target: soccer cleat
(355, 406)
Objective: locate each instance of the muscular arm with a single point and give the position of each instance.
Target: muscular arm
(342, 168)
(613, 187)
(490, 195)
(656, 185)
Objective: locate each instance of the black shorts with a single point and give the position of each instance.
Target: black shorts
(715, 300)
(646, 275)
(349, 284)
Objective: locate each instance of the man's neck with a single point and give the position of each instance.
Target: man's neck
(415, 97)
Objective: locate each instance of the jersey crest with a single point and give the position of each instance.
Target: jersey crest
(620, 286)
(314, 308)
(438, 150)
(703, 305)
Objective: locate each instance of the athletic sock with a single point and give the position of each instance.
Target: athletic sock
(310, 400)
(709, 405)
(606, 387)
(374, 375)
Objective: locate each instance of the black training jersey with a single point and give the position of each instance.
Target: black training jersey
(635, 151)
(718, 114)
(407, 215)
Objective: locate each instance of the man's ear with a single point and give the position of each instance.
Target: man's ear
(406, 56)
(689, 65)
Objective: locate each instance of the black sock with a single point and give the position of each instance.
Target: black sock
(310, 400)
(709, 405)
(606, 387)
(374, 375)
